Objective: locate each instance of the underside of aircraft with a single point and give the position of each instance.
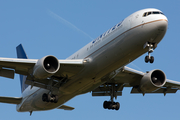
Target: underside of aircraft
(99, 67)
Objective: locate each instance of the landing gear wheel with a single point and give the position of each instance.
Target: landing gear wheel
(44, 97)
(147, 59)
(117, 106)
(49, 98)
(105, 104)
(151, 59)
(111, 106)
(56, 99)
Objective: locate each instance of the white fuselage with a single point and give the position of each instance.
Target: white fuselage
(115, 48)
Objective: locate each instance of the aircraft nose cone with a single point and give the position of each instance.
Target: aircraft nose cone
(163, 25)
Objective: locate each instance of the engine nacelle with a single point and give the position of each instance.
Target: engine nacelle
(152, 81)
(46, 67)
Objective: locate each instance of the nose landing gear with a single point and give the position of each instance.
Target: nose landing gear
(149, 59)
(151, 47)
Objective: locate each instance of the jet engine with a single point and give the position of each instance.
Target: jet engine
(152, 81)
(46, 67)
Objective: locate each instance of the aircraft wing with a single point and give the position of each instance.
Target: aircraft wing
(172, 84)
(11, 100)
(10, 66)
(128, 77)
(23, 66)
(20, 66)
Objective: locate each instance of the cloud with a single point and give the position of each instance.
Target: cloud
(63, 21)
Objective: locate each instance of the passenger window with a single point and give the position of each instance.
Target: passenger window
(113, 27)
(104, 34)
(109, 31)
(100, 36)
(118, 24)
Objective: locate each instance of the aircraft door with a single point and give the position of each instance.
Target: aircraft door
(134, 20)
(130, 21)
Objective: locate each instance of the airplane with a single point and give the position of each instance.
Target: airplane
(99, 67)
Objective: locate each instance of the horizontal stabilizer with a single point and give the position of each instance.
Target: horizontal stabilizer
(11, 100)
(64, 107)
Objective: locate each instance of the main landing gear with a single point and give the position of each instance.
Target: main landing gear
(111, 105)
(151, 47)
(50, 98)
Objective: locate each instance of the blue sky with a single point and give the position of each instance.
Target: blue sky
(60, 28)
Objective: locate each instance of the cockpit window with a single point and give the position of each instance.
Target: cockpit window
(149, 13)
(152, 12)
(145, 14)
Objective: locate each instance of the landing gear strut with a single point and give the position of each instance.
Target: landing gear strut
(111, 105)
(50, 98)
(150, 58)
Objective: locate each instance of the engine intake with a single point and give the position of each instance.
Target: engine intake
(158, 78)
(46, 67)
(51, 64)
(152, 81)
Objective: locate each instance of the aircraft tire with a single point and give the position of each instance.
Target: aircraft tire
(147, 59)
(56, 99)
(117, 106)
(151, 59)
(105, 104)
(48, 98)
(44, 97)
